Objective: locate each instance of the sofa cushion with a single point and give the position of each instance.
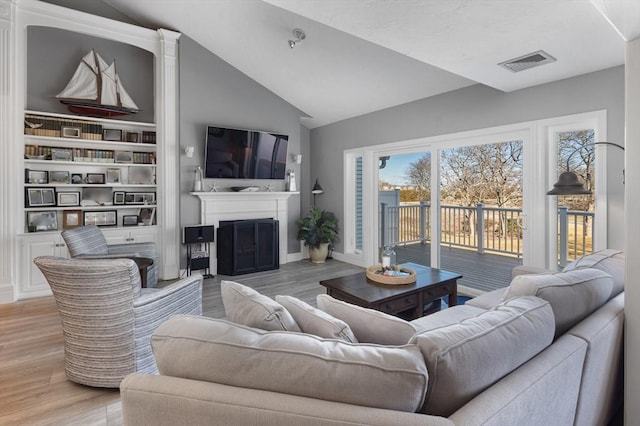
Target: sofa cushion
(464, 359)
(316, 322)
(246, 306)
(445, 317)
(609, 261)
(368, 325)
(219, 351)
(573, 295)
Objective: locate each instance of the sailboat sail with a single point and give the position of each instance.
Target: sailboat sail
(95, 89)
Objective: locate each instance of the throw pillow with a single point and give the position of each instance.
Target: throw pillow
(316, 322)
(609, 261)
(368, 325)
(246, 306)
(218, 351)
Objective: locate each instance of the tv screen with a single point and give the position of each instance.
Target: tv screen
(245, 154)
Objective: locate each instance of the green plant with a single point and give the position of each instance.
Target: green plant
(319, 226)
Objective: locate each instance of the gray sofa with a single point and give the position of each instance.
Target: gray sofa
(547, 350)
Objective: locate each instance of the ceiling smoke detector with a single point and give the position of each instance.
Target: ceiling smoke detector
(530, 60)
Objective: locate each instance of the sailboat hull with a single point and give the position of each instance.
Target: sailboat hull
(96, 110)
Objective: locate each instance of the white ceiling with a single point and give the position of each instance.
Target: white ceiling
(365, 55)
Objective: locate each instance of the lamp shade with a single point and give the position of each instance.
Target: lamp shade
(317, 189)
(568, 184)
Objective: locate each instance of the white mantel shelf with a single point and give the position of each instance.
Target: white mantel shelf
(221, 206)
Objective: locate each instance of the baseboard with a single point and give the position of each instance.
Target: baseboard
(6, 293)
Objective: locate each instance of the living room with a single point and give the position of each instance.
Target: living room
(475, 107)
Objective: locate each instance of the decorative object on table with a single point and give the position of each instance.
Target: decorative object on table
(101, 218)
(291, 184)
(119, 198)
(319, 229)
(95, 89)
(40, 197)
(95, 178)
(388, 257)
(70, 132)
(130, 220)
(68, 199)
(58, 176)
(394, 275)
(42, 221)
(36, 176)
(71, 219)
(197, 179)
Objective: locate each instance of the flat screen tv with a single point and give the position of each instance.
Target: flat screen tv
(245, 154)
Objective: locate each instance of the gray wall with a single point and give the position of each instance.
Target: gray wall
(53, 56)
(470, 108)
(212, 92)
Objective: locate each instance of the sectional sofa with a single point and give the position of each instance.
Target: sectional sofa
(545, 351)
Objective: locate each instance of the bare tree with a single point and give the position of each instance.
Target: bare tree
(419, 174)
(576, 153)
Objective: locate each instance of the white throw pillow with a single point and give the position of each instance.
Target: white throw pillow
(368, 325)
(246, 306)
(609, 261)
(316, 322)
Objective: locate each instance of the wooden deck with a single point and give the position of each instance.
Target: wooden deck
(480, 272)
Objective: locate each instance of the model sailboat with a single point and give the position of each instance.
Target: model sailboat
(95, 89)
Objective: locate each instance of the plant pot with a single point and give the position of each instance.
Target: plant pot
(319, 255)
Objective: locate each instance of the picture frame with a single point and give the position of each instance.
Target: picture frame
(58, 176)
(140, 198)
(118, 197)
(71, 132)
(36, 176)
(42, 221)
(101, 218)
(130, 220)
(61, 154)
(147, 215)
(40, 197)
(112, 135)
(95, 178)
(133, 137)
(141, 175)
(123, 156)
(113, 176)
(77, 178)
(71, 219)
(68, 199)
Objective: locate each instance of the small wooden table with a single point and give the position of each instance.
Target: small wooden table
(143, 265)
(430, 286)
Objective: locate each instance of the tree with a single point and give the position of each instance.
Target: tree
(576, 153)
(419, 175)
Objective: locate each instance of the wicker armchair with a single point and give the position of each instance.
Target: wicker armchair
(107, 319)
(89, 242)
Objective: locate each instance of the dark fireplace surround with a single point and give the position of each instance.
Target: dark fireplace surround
(245, 246)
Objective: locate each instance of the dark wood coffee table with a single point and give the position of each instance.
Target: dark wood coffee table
(406, 300)
(143, 265)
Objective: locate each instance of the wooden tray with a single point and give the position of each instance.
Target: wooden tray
(383, 279)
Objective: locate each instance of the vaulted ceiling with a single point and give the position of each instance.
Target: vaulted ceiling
(361, 56)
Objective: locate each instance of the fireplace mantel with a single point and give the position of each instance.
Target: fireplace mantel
(221, 206)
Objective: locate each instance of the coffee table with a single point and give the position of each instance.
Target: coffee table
(405, 300)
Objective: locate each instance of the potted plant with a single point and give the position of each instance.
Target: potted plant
(318, 229)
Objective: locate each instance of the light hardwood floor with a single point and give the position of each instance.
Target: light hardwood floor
(33, 387)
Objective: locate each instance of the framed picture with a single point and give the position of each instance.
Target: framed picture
(36, 176)
(68, 198)
(39, 197)
(71, 219)
(70, 132)
(132, 137)
(147, 215)
(140, 198)
(112, 135)
(123, 156)
(42, 221)
(113, 176)
(101, 218)
(76, 178)
(118, 197)
(95, 178)
(61, 154)
(56, 176)
(130, 220)
(140, 175)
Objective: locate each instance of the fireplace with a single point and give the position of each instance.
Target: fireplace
(246, 246)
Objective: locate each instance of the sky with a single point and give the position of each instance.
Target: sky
(397, 165)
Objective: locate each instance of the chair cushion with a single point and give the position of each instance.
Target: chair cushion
(464, 359)
(368, 325)
(609, 261)
(316, 322)
(573, 295)
(218, 351)
(246, 306)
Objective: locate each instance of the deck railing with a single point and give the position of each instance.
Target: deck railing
(492, 229)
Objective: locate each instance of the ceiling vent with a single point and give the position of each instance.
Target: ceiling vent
(525, 62)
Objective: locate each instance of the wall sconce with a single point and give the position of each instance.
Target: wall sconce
(317, 189)
(189, 150)
(297, 158)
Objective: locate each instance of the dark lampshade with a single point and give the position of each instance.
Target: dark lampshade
(568, 184)
(317, 189)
